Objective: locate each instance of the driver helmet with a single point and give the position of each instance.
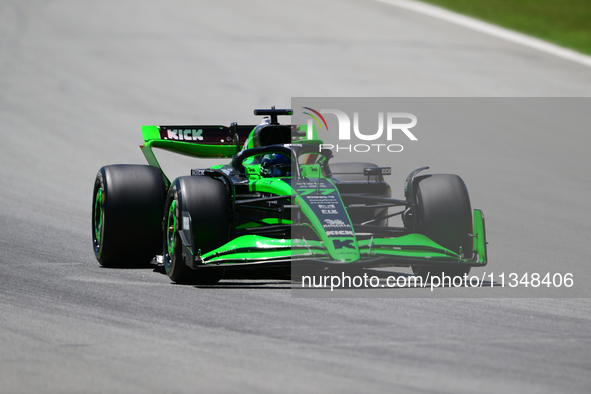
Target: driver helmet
(275, 165)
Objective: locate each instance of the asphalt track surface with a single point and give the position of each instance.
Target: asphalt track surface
(78, 79)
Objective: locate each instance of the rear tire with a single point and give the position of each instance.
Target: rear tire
(206, 200)
(127, 206)
(444, 215)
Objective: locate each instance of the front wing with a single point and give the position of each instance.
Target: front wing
(406, 250)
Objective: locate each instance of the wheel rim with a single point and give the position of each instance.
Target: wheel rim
(99, 216)
(171, 224)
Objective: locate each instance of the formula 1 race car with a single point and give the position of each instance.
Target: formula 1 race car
(277, 205)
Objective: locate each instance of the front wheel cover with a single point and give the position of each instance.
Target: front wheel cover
(175, 267)
(444, 214)
(199, 196)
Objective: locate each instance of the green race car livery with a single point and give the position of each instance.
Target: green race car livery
(278, 204)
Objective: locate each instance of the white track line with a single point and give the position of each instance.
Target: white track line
(490, 29)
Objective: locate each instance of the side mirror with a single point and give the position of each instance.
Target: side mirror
(371, 171)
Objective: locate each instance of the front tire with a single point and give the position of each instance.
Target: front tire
(127, 206)
(206, 200)
(444, 215)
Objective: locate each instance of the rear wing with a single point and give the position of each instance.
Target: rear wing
(196, 141)
(203, 141)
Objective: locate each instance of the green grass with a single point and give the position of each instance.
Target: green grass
(563, 22)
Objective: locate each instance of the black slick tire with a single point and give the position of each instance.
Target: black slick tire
(206, 200)
(444, 215)
(127, 206)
